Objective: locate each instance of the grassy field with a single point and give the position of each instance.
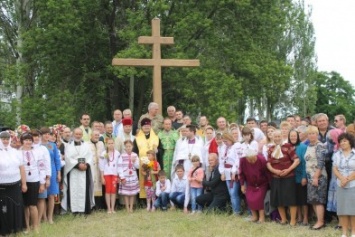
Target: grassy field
(171, 223)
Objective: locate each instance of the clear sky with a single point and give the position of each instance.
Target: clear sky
(334, 23)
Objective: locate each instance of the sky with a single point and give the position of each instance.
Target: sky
(334, 24)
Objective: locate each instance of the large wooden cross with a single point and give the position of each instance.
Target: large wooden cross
(156, 62)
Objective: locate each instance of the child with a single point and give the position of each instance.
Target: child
(195, 177)
(130, 163)
(162, 192)
(180, 192)
(150, 172)
(109, 168)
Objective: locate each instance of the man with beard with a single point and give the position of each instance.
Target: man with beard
(65, 139)
(78, 176)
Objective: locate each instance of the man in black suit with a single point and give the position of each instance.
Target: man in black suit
(216, 195)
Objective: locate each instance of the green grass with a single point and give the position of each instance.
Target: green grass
(171, 223)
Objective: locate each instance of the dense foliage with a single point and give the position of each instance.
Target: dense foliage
(256, 56)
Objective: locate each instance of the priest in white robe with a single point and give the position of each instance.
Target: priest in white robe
(78, 176)
(187, 148)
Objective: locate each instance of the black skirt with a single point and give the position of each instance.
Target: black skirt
(283, 192)
(12, 218)
(301, 194)
(30, 198)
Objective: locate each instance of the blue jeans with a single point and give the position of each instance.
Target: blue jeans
(195, 192)
(178, 198)
(234, 195)
(162, 201)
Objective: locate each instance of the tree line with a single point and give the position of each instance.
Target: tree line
(256, 56)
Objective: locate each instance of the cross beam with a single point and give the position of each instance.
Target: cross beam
(156, 62)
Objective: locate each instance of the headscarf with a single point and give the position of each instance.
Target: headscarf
(5, 134)
(277, 153)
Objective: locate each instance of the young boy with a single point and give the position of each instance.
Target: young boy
(162, 192)
(179, 193)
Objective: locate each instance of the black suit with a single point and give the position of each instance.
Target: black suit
(218, 196)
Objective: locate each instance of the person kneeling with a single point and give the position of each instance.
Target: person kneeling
(217, 194)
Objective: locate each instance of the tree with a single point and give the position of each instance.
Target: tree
(334, 95)
(253, 53)
(298, 46)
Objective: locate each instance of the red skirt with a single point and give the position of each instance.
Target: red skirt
(255, 197)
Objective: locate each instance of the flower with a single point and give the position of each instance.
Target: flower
(146, 163)
(145, 160)
(58, 128)
(22, 129)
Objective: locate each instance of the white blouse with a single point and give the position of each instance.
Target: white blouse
(228, 156)
(111, 165)
(34, 163)
(10, 164)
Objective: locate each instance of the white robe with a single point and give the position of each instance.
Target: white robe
(184, 151)
(96, 152)
(77, 177)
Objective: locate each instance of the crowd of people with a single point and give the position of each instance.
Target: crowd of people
(290, 172)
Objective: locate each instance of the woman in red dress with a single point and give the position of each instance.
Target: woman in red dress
(253, 173)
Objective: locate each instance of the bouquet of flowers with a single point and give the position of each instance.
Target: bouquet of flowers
(58, 128)
(22, 129)
(146, 163)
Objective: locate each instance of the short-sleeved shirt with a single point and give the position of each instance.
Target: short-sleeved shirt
(345, 166)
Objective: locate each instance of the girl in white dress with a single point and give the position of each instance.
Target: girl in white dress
(129, 165)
